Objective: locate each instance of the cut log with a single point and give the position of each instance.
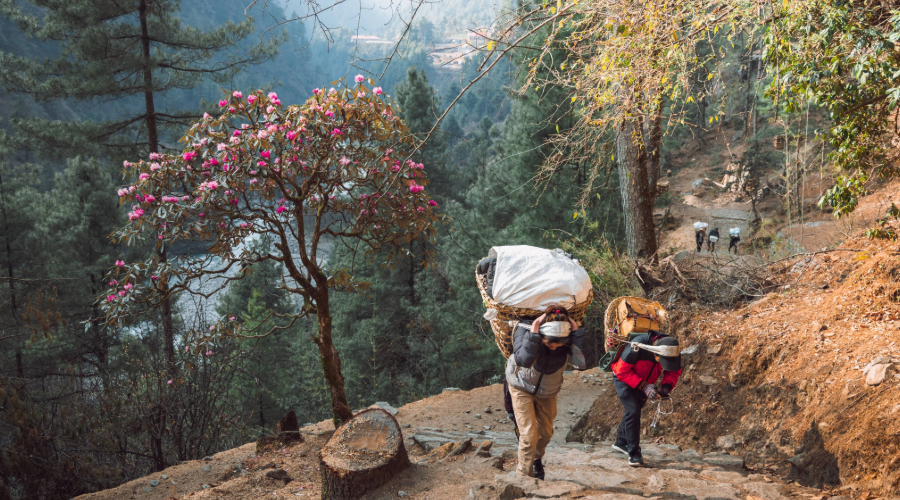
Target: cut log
(363, 454)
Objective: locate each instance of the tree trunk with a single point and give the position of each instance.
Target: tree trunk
(654, 148)
(363, 454)
(749, 107)
(634, 184)
(166, 306)
(331, 362)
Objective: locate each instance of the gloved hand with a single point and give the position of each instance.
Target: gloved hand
(650, 391)
(664, 390)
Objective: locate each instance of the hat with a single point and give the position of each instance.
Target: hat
(669, 363)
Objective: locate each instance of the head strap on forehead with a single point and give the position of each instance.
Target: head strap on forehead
(556, 329)
(669, 351)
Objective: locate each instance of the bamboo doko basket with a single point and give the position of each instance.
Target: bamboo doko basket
(505, 321)
(610, 319)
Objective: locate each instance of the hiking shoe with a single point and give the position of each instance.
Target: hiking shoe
(538, 469)
(620, 448)
(637, 461)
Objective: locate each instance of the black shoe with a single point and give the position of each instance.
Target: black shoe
(621, 448)
(538, 469)
(637, 461)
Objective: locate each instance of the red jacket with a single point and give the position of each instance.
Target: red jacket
(639, 368)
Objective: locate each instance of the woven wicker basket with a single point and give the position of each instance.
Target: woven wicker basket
(504, 323)
(609, 319)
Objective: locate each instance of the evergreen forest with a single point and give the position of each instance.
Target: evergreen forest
(142, 328)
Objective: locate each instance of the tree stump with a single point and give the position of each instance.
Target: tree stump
(363, 454)
(287, 432)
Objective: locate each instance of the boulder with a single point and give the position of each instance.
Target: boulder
(386, 407)
(726, 442)
(877, 373)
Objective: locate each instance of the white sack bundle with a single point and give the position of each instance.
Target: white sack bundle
(536, 278)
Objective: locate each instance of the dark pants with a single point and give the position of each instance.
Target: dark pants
(733, 244)
(699, 245)
(507, 398)
(632, 400)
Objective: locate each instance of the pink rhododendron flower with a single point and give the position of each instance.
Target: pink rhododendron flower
(329, 113)
(377, 91)
(144, 176)
(135, 213)
(432, 203)
(236, 133)
(120, 263)
(291, 135)
(154, 277)
(280, 209)
(317, 91)
(206, 116)
(126, 163)
(185, 198)
(155, 156)
(232, 110)
(253, 181)
(231, 318)
(420, 209)
(223, 103)
(266, 154)
(262, 134)
(209, 353)
(154, 167)
(235, 140)
(273, 96)
(336, 131)
(260, 163)
(122, 293)
(360, 94)
(251, 99)
(359, 78)
(222, 146)
(131, 189)
(345, 161)
(238, 94)
(113, 283)
(244, 224)
(111, 298)
(190, 155)
(149, 198)
(270, 109)
(169, 382)
(122, 192)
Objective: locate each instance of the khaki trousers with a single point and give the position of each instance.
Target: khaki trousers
(535, 417)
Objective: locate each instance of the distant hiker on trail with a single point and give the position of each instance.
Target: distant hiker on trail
(735, 234)
(634, 374)
(712, 239)
(534, 374)
(700, 236)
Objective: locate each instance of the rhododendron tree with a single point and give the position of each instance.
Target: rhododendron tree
(335, 166)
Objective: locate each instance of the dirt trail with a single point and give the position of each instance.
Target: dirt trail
(573, 469)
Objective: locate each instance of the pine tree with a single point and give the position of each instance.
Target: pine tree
(105, 57)
(123, 54)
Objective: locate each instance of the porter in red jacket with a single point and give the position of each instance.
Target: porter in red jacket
(634, 375)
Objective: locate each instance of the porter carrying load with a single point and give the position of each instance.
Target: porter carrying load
(627, 318)
(520, 282)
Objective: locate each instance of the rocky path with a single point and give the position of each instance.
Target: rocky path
(434, 427)
(598, 472)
